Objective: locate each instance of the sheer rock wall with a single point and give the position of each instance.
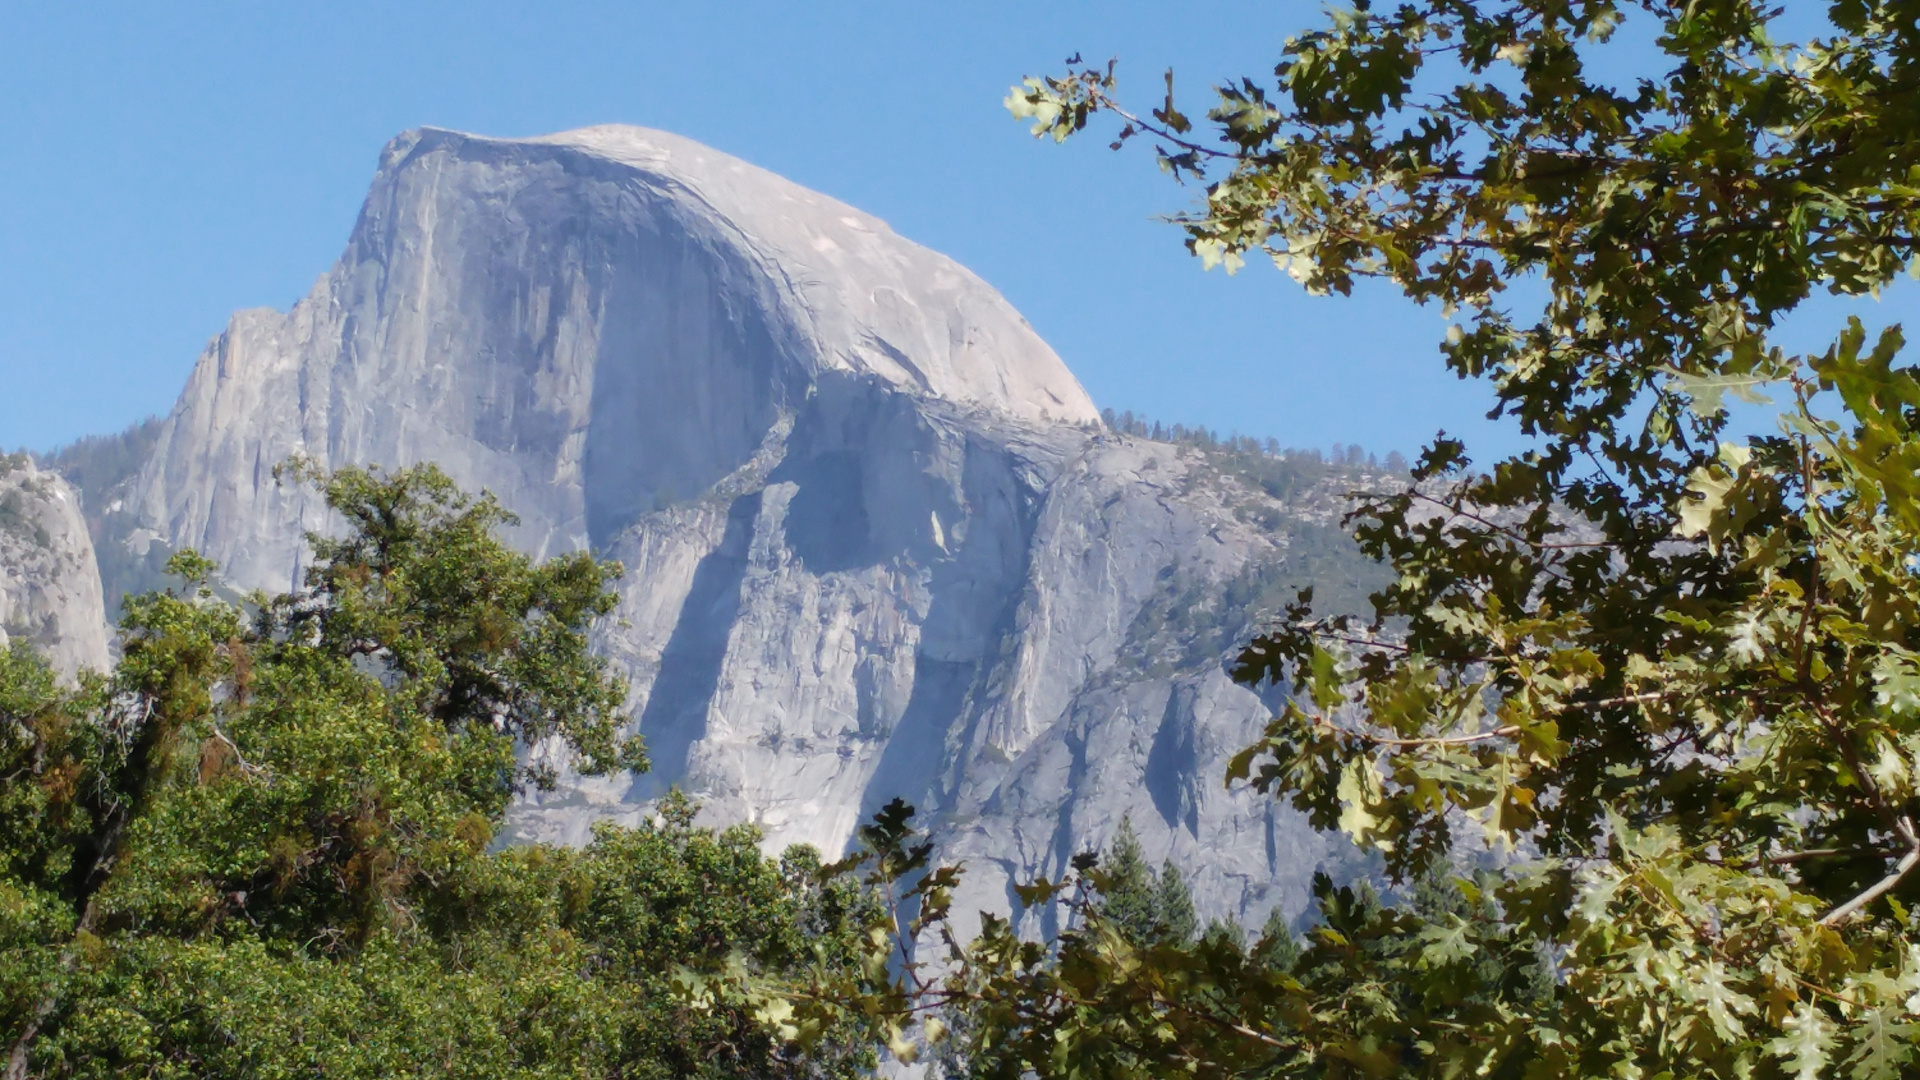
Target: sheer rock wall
(877, 543)
(49, 580)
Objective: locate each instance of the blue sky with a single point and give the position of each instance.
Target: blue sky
(165, 165)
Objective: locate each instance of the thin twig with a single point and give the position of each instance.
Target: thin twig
(246, 766)
(1792, 857)
(1880, 888)
(1459, 511)
(1437, 740)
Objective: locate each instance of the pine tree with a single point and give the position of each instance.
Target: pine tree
(1175, 920)
(1146, 908)
(1277, 948)
(1227, 931)
(1130, 896)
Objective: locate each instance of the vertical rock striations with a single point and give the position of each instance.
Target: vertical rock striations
(49, 581)
(877, 543)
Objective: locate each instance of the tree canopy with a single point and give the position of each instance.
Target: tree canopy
(1658, 677)
(264, 845)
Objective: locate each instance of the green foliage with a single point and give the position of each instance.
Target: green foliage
(484, 640)
(1277, 947)
(261, 847)
(1129, 895)
(1177, 917)
(1104, 999)
(1144, 908)
(1668, 672)
(1177, 921)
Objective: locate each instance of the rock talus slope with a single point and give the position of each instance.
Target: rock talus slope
(49, 581)
(877, 543)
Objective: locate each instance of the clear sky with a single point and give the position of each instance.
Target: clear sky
(166, 164)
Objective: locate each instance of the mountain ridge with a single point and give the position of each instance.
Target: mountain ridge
(854, 573)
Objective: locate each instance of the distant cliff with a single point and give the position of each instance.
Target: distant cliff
(878, 542)
(49, 582)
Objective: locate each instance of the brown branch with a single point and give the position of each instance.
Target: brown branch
(1403, 649)
(1458, 511)
(1899, 824)
(1822, 991)
(1878, 889)
(1507, 731)
(1630, 699)
(1792, 857)
(907, 966)
(1785, 859)
(1242, 1030)
(247, 767)
(1158, 131)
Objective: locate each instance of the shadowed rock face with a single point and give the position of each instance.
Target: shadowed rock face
(876, 541)
(49, 580)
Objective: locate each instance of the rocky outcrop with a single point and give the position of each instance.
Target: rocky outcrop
(49, 581)
(589, 325)
(877, 542)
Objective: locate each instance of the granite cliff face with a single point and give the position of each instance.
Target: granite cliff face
(49, 581)
(877, 541)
